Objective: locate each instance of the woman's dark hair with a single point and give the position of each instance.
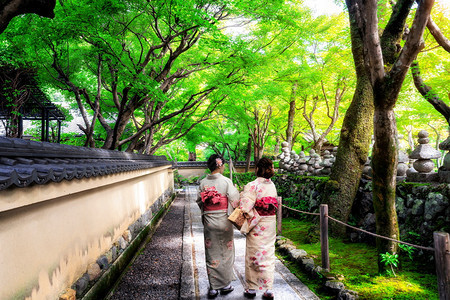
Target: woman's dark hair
(212, 162)
(264, 168)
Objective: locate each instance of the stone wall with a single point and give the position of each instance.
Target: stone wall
(421, 208)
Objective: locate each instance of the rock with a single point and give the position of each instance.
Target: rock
(103, 262)
(93, 271)
(298, 254)
(347, 295)
(309, 267)
(114, 253)
(417, 208)
(307, 261)
(81, 284)
(122, 242)
(401, 209)
(334, 286)
(70, 294)
(285, 248)
(127, 236)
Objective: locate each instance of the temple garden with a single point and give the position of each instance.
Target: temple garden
(110, 108)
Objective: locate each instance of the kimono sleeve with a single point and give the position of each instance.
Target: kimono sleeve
(248, 197)
(199, 197)
(233, 195)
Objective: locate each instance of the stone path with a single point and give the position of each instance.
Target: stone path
(286, 285)
(172, 264)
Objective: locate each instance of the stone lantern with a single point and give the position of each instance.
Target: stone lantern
(302, 165)
(367, 169)
(285, 156)
(326, 163)
(424, 165)
(444, 170)
(402, 166)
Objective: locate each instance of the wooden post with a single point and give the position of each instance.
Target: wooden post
(324, 236)
(279, 215)
(442, 257)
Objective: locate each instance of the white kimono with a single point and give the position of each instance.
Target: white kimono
(261, 234)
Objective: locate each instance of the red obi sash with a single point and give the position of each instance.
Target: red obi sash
(213, 200)
(266, 206)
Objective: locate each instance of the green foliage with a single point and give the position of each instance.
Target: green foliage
(181, 181)
(357, 263)
(408, 250)
(247, 66)
(390, 260)
(241, 179)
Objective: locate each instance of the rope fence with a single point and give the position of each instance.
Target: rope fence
(441, 245)
(359, 229)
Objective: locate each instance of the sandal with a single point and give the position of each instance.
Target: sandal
(212, 293)
(227, 289)
(267, 295)
(250, 293)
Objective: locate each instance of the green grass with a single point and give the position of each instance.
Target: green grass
(356, 264)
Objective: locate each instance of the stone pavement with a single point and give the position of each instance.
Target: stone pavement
(194, 283)
(172, 264)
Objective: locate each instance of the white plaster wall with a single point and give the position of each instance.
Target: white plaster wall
(49, 234)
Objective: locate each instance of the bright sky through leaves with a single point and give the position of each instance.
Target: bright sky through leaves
(329, 7)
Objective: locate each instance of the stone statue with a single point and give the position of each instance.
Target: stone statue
(424, 165)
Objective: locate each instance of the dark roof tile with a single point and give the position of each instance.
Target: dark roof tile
(23, 163)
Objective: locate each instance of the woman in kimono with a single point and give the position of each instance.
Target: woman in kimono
(216, 194)
(259, 204)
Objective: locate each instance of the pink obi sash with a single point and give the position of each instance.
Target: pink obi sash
(213, 200)
(221, 205)
(266, 206)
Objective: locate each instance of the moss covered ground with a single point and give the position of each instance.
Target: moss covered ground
(356, 265)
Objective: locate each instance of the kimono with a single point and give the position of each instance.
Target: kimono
(216, 194)
(259, 202)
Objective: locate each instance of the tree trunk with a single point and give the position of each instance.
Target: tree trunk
(248, 154)
(354, 144)
(291, 115)
(192, 156)
(121, 122)
(276, 149)
(384, 166)
(257, 152)
(353, 150)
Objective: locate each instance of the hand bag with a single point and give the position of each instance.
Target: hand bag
(237, 218)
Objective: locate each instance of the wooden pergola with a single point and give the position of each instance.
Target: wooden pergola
(34, 105)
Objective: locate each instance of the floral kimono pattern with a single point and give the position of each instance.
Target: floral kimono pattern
(216, 193)
(258, 201)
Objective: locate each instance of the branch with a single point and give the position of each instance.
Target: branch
(438, 36)
(409, 52)
(393, 32)
(372, 40)
(428, 94)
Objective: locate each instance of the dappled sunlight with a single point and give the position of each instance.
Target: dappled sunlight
(141, 196)
(400, 287)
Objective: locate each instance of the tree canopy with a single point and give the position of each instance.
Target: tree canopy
(225, 76)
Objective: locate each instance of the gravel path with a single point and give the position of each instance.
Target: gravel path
(155, 274)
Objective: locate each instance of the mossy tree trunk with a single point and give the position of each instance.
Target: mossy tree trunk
(384, 170)
(354, 142)
(386, 64)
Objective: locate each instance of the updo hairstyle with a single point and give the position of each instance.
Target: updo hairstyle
(264, 168)
(214, 162)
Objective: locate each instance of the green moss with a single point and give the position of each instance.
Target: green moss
(413, 184)
(357, 263)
